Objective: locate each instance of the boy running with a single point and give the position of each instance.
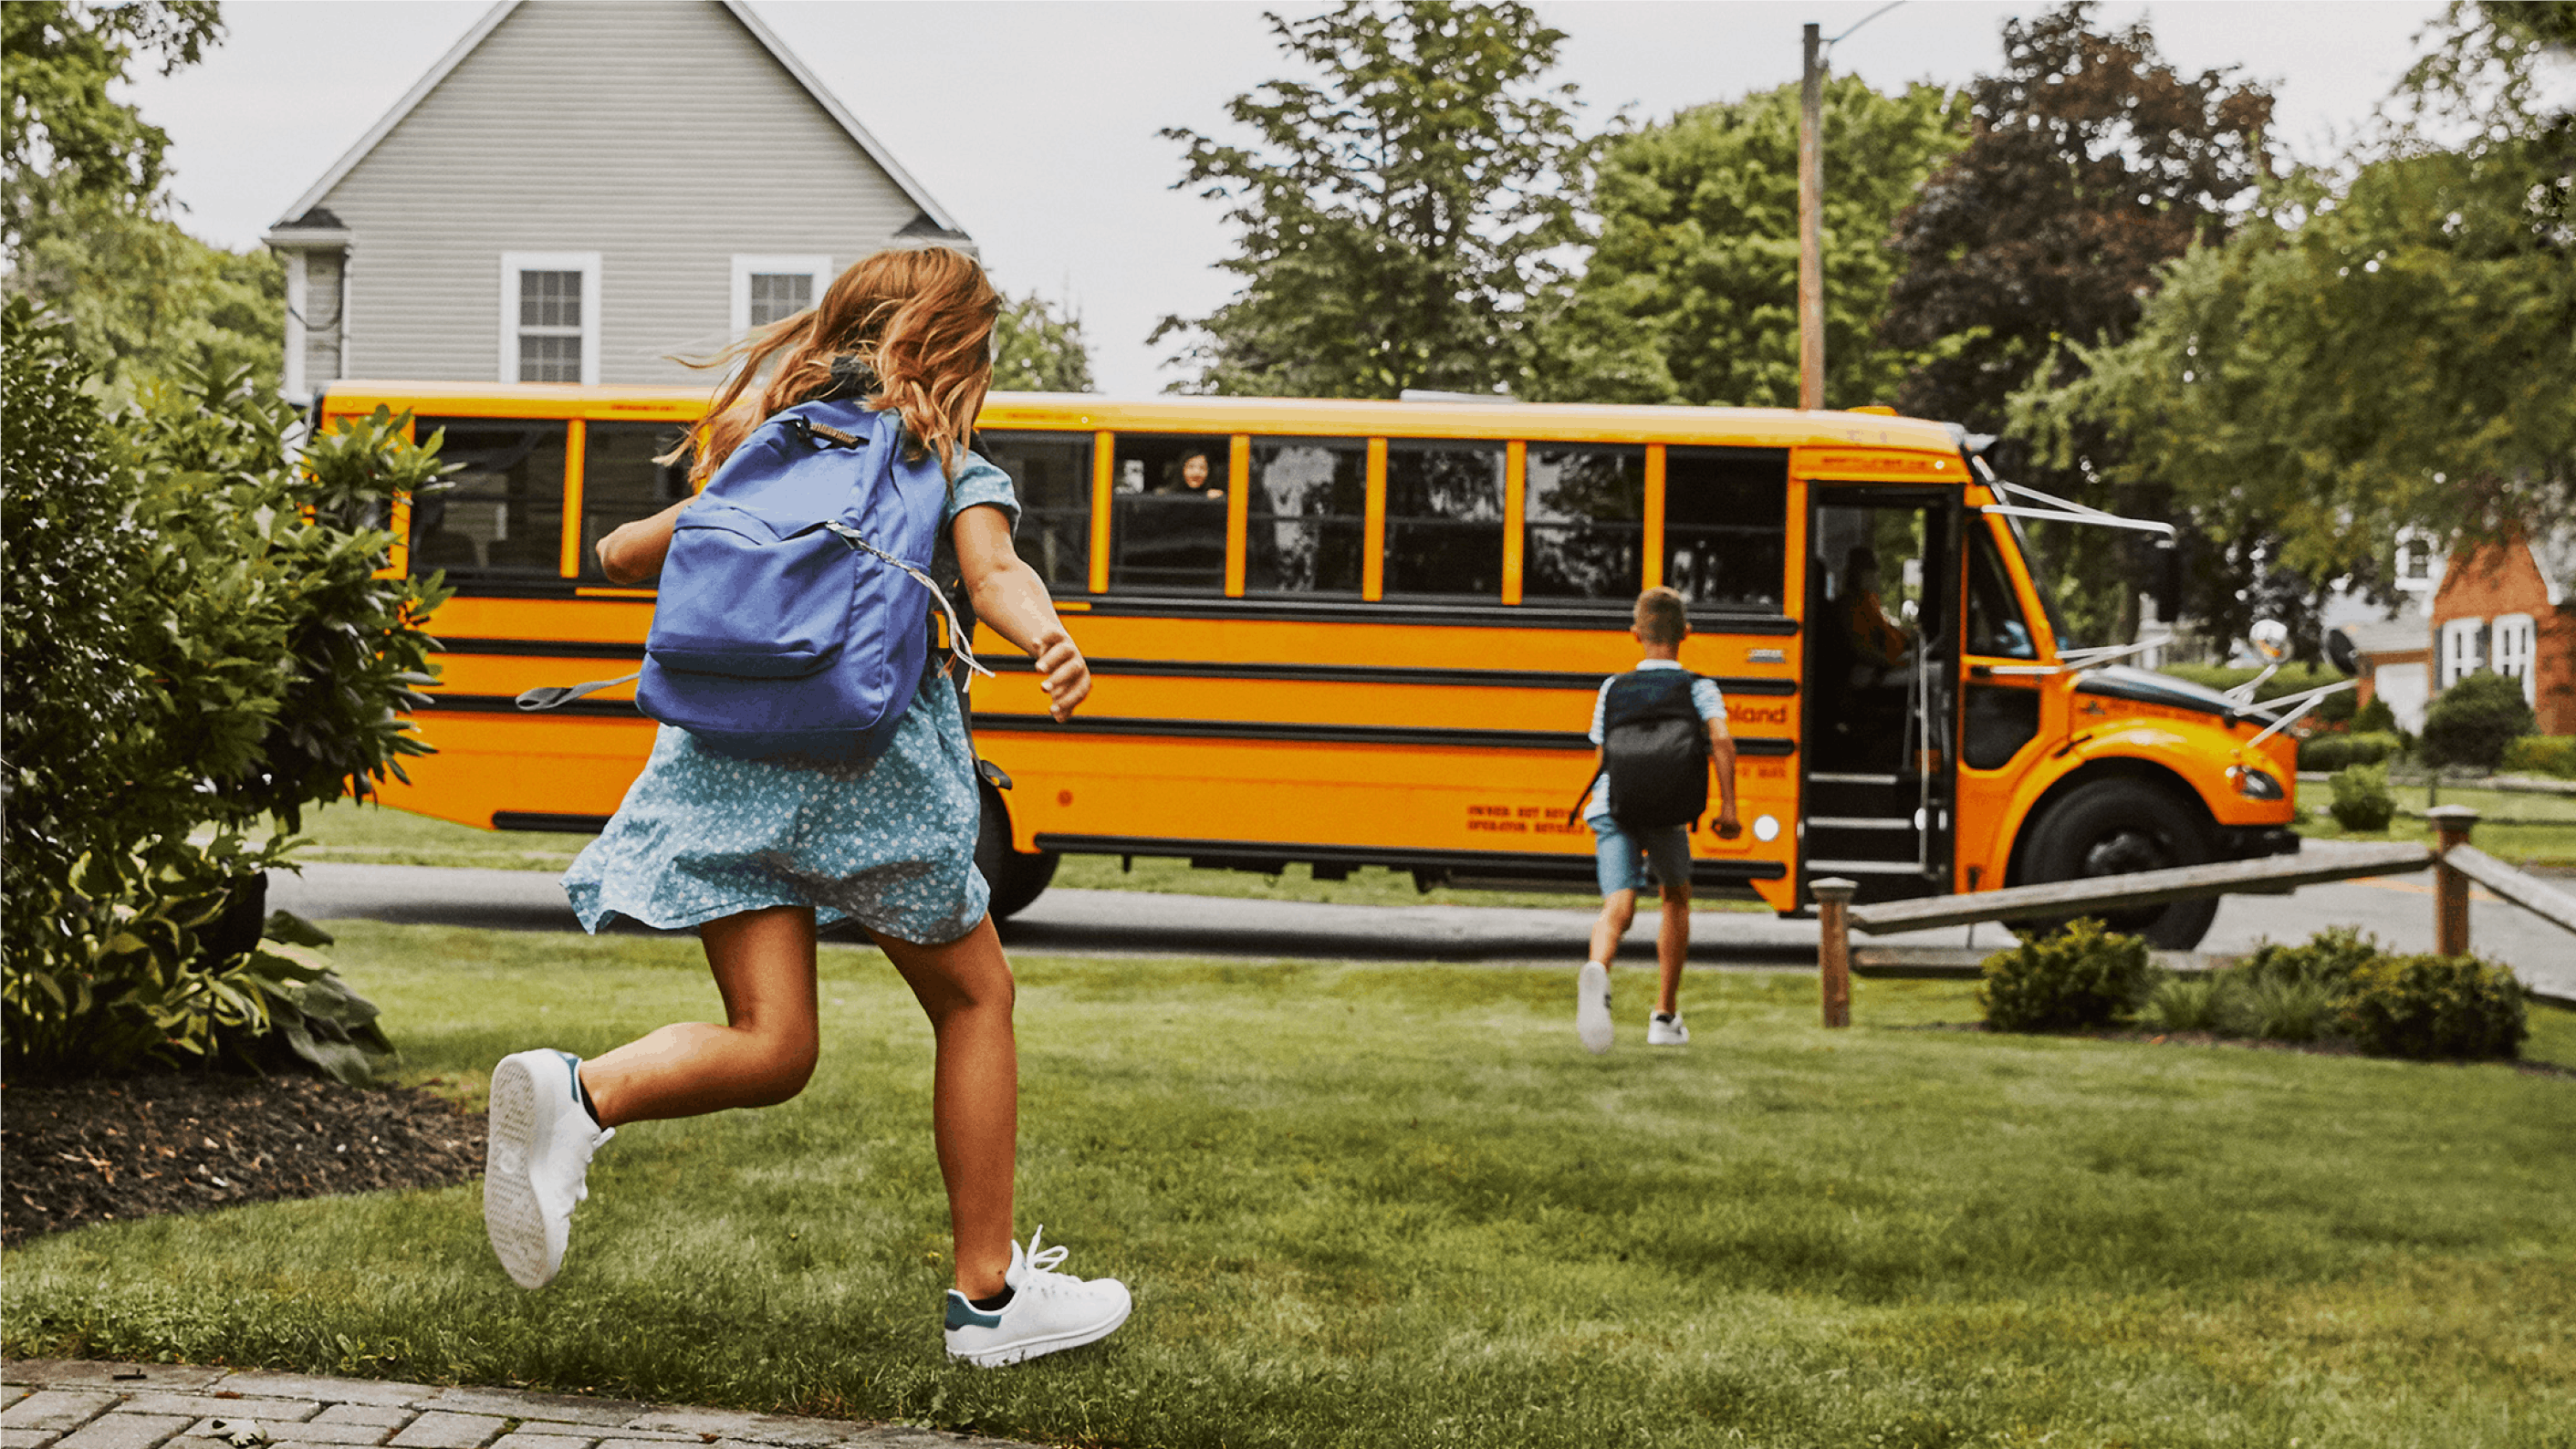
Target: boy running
(1623, 855)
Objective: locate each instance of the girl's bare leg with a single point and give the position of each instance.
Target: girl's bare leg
(965, 987)
(764, 967)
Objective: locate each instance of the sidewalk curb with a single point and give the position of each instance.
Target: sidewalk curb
(80, 1404)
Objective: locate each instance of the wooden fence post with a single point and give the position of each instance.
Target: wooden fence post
(2451, 827)
(1833, 946)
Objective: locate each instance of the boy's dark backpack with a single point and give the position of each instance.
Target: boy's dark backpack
(1654, 749)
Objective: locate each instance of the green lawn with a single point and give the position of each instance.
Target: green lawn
(1396, 1205)
(350, 832)
(2524, 828)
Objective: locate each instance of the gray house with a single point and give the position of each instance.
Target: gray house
(578, 189)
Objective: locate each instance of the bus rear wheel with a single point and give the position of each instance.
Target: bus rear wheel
(2121, 827)
(1016, 878)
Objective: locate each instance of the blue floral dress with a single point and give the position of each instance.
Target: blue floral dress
(888, 842)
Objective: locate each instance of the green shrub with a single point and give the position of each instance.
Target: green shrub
(2182, 1003)
(2375, 718)
(195, 648)
(2435, 1006)
(2542, 755)
(2361, 799)
(2331, 956)
(2334, 752)
(2279, 1008)
(2083, 976)
(2472, 722)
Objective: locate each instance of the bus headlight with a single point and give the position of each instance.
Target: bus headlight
(2256, 784)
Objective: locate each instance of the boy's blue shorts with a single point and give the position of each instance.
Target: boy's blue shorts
(1620, 859)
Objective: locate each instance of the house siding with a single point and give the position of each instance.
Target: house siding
(660, 135)
(2504, 579)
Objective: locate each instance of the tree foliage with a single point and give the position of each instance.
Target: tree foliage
(2091, 163)
(2374, 351)
(64, 138)
(1397, 213)
(1690, 294)
(1042, 348)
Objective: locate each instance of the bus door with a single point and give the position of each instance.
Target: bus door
(1882, 670)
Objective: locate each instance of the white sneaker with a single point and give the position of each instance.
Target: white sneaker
(1592, 1007)
(1666, 1030)
(536, 1162)
(1048, 1311)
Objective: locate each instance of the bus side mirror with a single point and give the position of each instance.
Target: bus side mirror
(2340, 653)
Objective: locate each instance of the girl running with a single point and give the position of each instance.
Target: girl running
(754, 853)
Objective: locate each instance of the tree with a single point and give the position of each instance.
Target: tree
(2091, 163)
(1690, 294)
(2381, 350)
(63, 137)
(1042, 350)
(1397, 216)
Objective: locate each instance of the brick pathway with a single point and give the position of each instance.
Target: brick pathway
(67, 1404)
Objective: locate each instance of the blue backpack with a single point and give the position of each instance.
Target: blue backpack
(793, 612)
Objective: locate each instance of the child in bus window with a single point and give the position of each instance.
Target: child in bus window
(1623, 859)
(753, 853)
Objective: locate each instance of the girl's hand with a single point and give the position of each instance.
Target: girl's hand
(1064, 673)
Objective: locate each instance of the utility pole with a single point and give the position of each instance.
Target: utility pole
(1811, 225)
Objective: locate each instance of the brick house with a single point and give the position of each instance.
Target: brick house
(2511, 608)
(2396, 665)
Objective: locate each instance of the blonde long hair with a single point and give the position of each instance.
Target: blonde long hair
(920, 319)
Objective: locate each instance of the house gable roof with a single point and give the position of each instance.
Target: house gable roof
(941, 224)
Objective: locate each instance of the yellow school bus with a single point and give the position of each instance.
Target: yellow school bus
(1368, 633)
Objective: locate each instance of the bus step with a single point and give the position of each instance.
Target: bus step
(1855, 822)
(1863, 867)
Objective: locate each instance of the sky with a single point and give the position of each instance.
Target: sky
(1037, 125)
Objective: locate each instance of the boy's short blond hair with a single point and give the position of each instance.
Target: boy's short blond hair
(1662, 616)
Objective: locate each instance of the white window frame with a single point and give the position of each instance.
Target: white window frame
(586, 263)
(745, 266)
(2462, 643)
(2524, 662)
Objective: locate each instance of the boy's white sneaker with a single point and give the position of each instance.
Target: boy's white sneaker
(536, 1162)
(1666, 1029)
(1048, 1311)
(1592, 1007)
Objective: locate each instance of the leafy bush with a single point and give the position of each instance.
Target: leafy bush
(193, 636)
(2182, 1003)
(2472, 722)
(2334, 752)
(2331, 956)
(2542, 755)
(2361, 799)
(2278, 1008)
(2435, 1006)
(2376, 718)
(2083, 976)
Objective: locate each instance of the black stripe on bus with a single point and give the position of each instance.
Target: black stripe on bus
(547, 821)
(1460, 614)
(1189, 668)
(1466, 862)
(1197, 729)
(1331, 734)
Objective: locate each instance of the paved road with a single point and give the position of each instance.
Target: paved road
(2396, 909)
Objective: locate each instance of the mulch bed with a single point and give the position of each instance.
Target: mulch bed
(107, 1150)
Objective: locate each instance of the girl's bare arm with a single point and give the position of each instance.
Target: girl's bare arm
(633, 554)
(1009, 596)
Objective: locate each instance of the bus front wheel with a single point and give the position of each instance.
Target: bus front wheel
(1016, 878)
(2121, 827)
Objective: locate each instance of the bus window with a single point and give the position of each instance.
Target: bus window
(1167, 513)
(1309, 502)
(1995, 625)
(1586, 516)
(621, 483)
(1726, 525)
(1444, 518)
(1051, 472)
(503, 513)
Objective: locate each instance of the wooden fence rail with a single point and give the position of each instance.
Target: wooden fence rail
(2456, 861)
